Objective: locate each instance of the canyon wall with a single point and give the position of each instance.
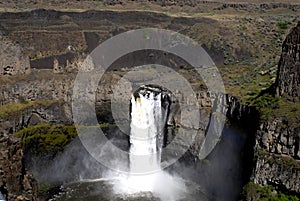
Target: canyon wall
(16, 184)
(288, 80)
(12, 59)
(54, 66)
(277, 140)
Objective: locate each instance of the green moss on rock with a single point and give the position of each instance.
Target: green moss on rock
(45, 138)
(9, 109)
(255, 192)
(285, 161)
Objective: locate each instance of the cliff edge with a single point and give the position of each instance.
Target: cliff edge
(288, 77)
(277, 144)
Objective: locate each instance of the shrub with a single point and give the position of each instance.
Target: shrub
(266, 104)
(46, 139)
(282, 26)
(10, 109)
(253, 191)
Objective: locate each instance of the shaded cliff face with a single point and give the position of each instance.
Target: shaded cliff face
(288, 79)
(281, 172)
(16, 183)
(278, 137)
(277, 155)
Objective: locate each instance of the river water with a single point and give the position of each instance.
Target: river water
(102, 190)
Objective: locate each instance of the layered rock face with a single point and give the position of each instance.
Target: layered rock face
(16, 184)
(278, 138)
(277, 155)
(288, 79)
(12, 59)
(277, 171)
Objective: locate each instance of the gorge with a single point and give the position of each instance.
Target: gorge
(260, 141)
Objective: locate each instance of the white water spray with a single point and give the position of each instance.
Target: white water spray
(148, 118)
(146, 133)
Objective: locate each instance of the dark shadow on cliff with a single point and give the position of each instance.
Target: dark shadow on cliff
(224, 172)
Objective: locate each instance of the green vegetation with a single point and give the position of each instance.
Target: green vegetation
(256, 192)
(266, 104)
(45, 138)
(10, 109)
(278, 159)
(289, 111)
(43, 188)
(104, 125)
(282, 26)
(271, 106)
(245, 81)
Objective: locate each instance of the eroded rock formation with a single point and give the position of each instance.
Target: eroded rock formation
(12, 59)
(16, 183)
(279, 137)
(288, 79)
(281, 172)
(277, 141)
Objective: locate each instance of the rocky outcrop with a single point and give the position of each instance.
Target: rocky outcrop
(276, 170)
(16, 184)
(262, 7)
(60, 40)
(279, 137)
(12, 59)
(288, 78)
(244, 116)
(277, 155)
(51, 112)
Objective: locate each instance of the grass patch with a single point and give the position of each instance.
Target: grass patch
(282, 26)
(253, 191)
(278, 159)
(10, 109)
(289, 111)
(266, 104)
(46, 138)
(244, 81)
(104, 125)
(271, 107)
(43, 188)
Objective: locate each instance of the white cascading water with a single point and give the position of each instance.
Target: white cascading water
(146, 133)
(148, 118)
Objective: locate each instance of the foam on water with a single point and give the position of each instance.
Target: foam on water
(159, 184)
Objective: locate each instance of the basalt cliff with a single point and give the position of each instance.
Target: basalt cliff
(47, 47)
(277, 140)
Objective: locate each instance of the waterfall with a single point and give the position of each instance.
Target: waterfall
(148, 119)
(1, 197)
(149, 114)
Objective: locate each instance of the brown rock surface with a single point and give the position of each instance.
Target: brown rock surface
(277, 139)
(288, 79)
(15, 182)
(12, 59)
